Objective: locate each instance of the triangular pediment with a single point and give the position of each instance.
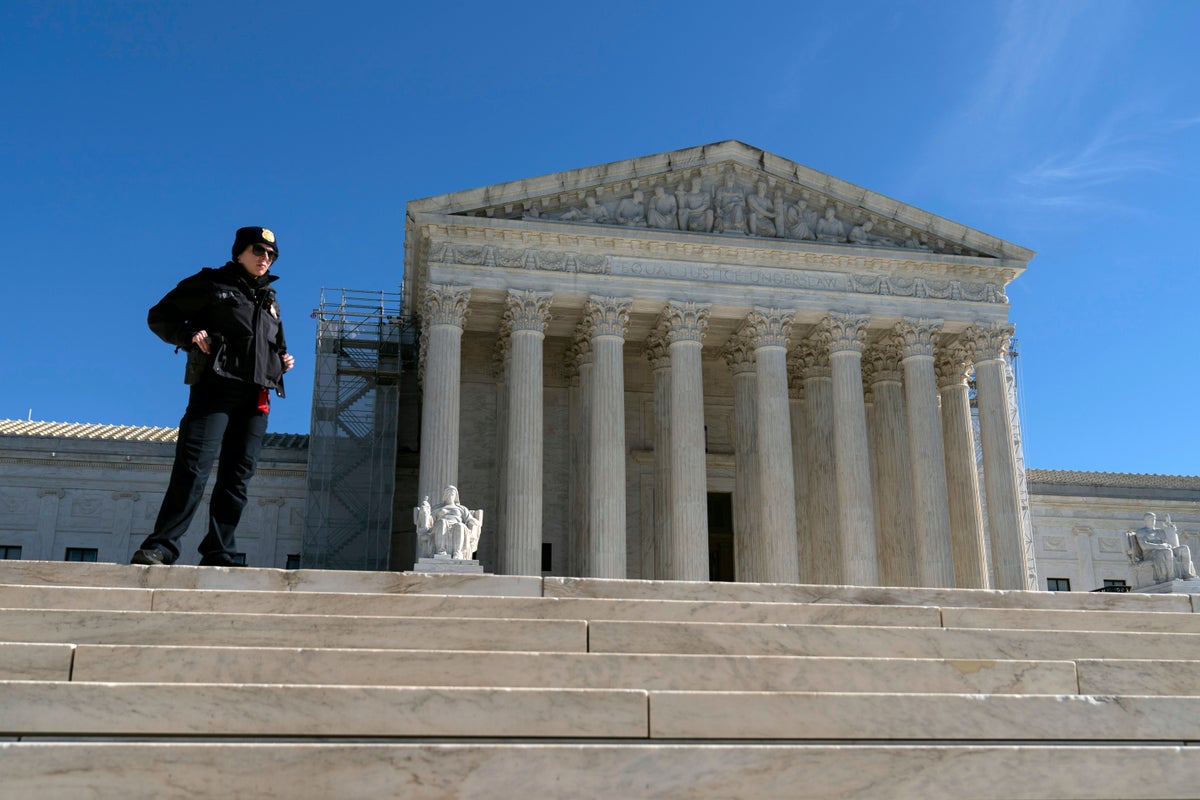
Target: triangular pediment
(728, 189)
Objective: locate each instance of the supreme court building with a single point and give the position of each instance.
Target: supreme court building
(716, 362)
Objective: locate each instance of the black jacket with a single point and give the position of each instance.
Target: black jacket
(241, 315)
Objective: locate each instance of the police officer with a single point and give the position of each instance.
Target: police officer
(227, 319)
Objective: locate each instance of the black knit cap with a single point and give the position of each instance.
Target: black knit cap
(248, 236)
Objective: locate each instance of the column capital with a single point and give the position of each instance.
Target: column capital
(738, 353)
(847, 331)
(446, 305)
(952, 365)
(527, 310)
(658, 350)
(579, 352)
(811, 358)
(685, 322)
(988, 341)
(918, 336)
(502, 354)
(881, 361)
(768, 327)
(607, 316)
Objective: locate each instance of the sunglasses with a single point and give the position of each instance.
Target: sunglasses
(259, 250)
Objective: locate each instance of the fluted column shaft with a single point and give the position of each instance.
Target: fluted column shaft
(739, 355)
(962, 480)
(526, 316)
(935, 554)
(988, 345)
(684, 326)
(847, 334)
(775, 559)
(579, 357)
(824, 552)
(800, 476)
(659, 355)
(444, 313)
(893, 489)
(609, 319)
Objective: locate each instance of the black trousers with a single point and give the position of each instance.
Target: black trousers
(222, 423)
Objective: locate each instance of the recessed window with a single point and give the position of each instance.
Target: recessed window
(547, 557)
(10, 552)
(1115, 585)
(1058, 584)
(81, 554)
(293, 561)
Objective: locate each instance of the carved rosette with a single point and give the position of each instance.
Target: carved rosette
(738, 353)
(988, 341)
(658, 351)
(768, 327)
(918, 337)
(685, 322)
(952, 366)
(847, 331)
(607, 316)
(881, 361)
(527, 310)
(446, 305)
(810, 358)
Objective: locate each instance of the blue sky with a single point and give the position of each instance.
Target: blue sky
(138, 135)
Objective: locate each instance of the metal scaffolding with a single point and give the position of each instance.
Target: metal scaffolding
(362, 341)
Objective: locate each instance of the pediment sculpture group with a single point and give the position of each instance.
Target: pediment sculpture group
(727, 208)
(1160, 547)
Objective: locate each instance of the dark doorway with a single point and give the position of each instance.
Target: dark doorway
(720, 536)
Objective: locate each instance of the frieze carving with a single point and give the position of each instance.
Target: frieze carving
(734, 202)
(685, 322)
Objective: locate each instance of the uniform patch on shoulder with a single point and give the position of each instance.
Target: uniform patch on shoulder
(270, 237)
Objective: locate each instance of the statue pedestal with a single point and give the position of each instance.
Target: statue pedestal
(447, 564)
(1190, 586)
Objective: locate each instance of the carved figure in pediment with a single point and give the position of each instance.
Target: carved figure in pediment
(731, 207)
(800, 221)
(763, 211)
(861, 234)
(695, 209)
(591, 211)
(830, 228)
(663, 210)
(913, 242)
(631, 211)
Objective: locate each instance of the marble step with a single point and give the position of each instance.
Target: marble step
(182, 577)
(119, 663)
(470, 771)
(289, 630)
(606, 636)
(107, 710)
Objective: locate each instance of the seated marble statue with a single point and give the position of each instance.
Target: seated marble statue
(731, 207)
(631, 211)
(449, 530)
(1160, 546)
(861, 234)
(663, 209)
(695, 209)
(830, 228)
(591, 211)
(799, 221)
(762, 212)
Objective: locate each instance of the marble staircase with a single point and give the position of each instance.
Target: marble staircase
(126, 681)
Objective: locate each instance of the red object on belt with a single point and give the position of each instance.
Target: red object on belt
(264, 400)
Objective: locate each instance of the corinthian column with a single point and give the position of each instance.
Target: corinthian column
(962, 480)
(846, 335)
(579, 366)
(608, 318)
(687, 546)
(823, 551)
(659, 356)
(988, 345)
(935, 555)
(775, 559)
(443, 314)
(800, 471)
(525, 317)
(739, 355)
(891, 476)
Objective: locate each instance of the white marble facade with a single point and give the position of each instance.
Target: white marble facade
(98, 487)
(685, 312)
